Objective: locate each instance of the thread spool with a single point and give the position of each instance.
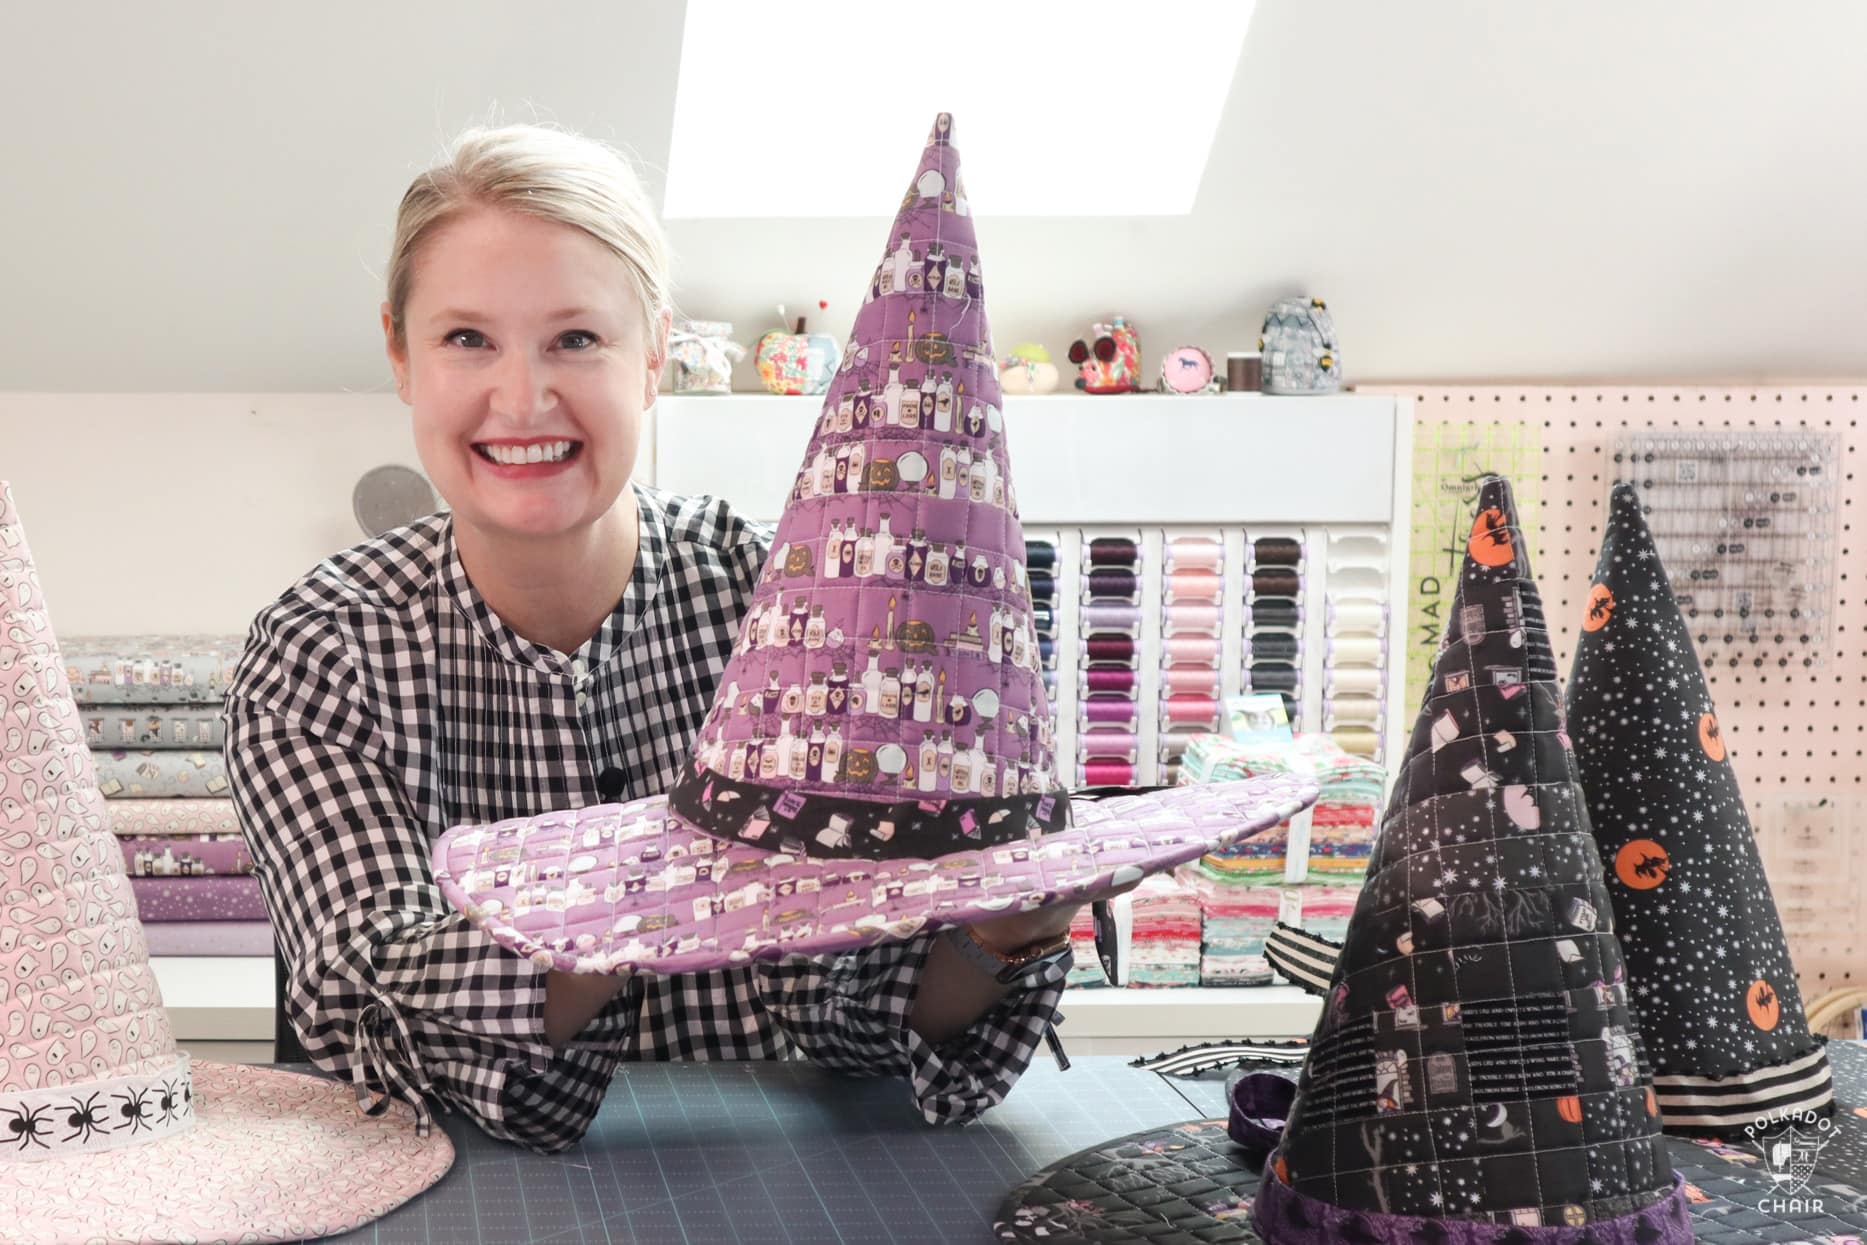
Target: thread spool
(1355, 580)
(1360, 740)
(1272, 678)
(1276, 581)
(1108, 774)
(1040, 555)
(1191, 710)
(1114, 714)
(1110, 680)
(1356, 650)
(1111, 551)
(1189, 586)
(1193, 553)
(1044, 619)
(1112, 620)
(1276, 551)
(1112, 583)
(1177, 680)
(1276, 612)
(1107, 648)
(1272, 646)
(1110, 746)
(1184, 620)
(1357, 547)
(1352, 711)
(1354, 681)
(1042, 585)
(1352, 615)
(1192, 650)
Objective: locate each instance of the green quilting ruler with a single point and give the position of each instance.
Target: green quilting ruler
(1448, 461)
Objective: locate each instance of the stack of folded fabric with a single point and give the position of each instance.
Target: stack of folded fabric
(1341, 824)
(1165, 946)
(1235, 922)
(151, 707)
(1242, 890)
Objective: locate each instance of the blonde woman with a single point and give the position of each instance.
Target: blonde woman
(551, 642)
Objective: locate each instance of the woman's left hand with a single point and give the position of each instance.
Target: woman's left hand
(1006, 934)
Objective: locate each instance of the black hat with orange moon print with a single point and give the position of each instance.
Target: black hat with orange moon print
(1719, 1007)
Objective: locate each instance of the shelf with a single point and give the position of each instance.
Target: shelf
(1191, 1013)
(1133, 458)
(217, 997)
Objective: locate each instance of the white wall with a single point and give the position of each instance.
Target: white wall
(197, 196)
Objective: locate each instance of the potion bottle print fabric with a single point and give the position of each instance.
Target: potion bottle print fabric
(1719, 1006)
(879, 759)
(1477, 1074)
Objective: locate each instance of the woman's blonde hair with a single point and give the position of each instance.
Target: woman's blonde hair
(548, 173)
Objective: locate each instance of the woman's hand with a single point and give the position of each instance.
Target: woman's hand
(1021, 929)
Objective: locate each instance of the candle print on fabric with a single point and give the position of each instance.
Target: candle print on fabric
(880, 756)
(1717, 995)
(1477, 1074)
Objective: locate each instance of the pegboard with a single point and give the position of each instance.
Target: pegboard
(1798, 734)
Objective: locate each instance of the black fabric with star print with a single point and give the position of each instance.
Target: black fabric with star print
(1710, 970)
(1477, 1058)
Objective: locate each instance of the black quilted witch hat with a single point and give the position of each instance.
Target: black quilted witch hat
(1719, 1008)
(1477, 1074)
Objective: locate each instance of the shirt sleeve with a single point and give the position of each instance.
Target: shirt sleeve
(386, 984)
(850, 1013)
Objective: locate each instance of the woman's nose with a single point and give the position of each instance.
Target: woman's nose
(521, 387)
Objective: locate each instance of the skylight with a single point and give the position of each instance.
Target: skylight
(1085, 108)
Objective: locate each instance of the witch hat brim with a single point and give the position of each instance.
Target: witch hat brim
(621, 887)
(270, 1156)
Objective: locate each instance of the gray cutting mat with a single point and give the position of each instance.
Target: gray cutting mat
(768, 1152)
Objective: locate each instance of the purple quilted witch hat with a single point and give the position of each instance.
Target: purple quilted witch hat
(1477, 1077)
(880, 757)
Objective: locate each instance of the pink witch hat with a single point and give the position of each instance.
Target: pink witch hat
(880, 758)
(106, 1130)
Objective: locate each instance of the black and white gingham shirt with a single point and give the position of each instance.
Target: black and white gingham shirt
(380, 702)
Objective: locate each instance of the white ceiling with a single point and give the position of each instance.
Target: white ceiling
(198, 196)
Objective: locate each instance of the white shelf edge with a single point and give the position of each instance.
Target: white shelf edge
(216, 997)
(1190, 1011)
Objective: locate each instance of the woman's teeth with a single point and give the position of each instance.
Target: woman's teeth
(538, 452)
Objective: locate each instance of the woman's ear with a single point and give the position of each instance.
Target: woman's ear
(657, 356)
(397, 352)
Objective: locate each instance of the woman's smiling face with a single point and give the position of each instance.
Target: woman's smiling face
(528, 365)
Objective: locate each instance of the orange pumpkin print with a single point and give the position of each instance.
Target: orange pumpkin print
(1764, 1007)
(1490, 543)
(1710, 738)
(1653, 1102)
(1642, 865)
(1570, 1109)
(1600, 608)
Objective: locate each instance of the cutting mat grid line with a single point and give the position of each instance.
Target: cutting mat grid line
(1798, 734)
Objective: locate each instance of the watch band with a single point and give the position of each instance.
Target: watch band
(1007, 967)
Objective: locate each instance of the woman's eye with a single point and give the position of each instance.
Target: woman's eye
(578, 339)
(470, 338)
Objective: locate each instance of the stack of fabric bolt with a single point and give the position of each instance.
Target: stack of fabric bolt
(1087, 969)
(1243, 892)
(1165, 947)
(152, 715)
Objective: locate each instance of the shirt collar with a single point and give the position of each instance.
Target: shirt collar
(610, 638)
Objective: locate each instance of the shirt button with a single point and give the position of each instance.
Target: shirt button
(578, 668)
(582, 700)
